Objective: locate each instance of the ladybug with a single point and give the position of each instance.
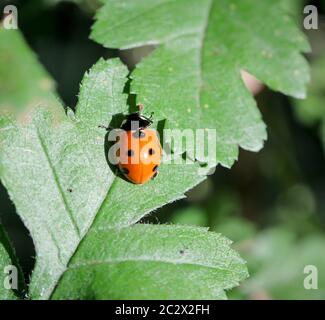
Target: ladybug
(139, 149)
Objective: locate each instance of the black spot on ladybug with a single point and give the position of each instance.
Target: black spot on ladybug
(151, 151)
(138, 134)
(130, 153)
(155, 168)
(125, 170)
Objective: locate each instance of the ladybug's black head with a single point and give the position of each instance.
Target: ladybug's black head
(135, 121)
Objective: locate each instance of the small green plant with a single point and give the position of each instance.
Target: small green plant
(81, 216)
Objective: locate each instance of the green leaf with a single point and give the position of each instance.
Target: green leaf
(8, 258)
(152, 262)
(54, 168)
(193, 78)
(312, 110)
(18, 66)
(277, 261)
(57, 155)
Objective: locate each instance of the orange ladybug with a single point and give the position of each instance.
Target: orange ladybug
(139, 149)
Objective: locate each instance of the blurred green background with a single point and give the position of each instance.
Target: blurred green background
(271, 204)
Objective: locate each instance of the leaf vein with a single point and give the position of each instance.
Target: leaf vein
(58, 184)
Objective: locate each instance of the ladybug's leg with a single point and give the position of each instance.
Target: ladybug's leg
(155, 175)
(117, 171)
(123, 171)
(106, 128)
